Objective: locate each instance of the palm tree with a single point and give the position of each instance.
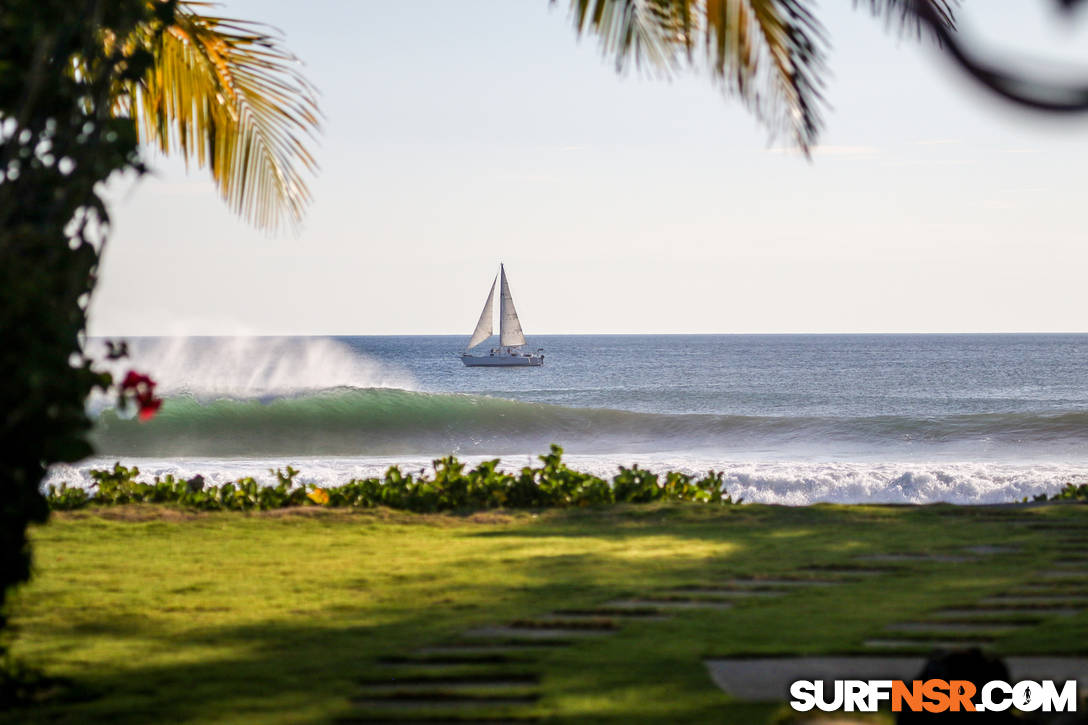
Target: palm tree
(769, 53)
(226, 95)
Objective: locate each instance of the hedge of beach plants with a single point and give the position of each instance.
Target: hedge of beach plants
(1069, 492)
(450, 487)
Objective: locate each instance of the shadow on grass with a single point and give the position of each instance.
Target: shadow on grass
(296, 671)
(305, 669)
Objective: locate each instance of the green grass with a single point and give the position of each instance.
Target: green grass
(159, 615)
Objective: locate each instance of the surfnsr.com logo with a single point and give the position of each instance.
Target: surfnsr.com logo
(934, 696)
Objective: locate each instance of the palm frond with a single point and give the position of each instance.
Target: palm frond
(769, 53)
(639, 31)
(920, 18)
(227, 96)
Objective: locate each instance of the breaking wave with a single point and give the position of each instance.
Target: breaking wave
(252, 367)
(379, 421)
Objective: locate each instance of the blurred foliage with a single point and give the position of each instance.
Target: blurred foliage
(59, 140)
(1069, 492)
(451, 488)
(81, 82)
(770, 54)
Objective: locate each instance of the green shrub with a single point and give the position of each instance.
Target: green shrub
(634, 485)
(451, 488)
(66, 498)
(1069, 492)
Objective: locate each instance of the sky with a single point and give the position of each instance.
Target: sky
(461, 134)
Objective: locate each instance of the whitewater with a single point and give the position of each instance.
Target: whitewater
(791, 419)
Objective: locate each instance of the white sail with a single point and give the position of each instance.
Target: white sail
(484, 328)
(510, 334)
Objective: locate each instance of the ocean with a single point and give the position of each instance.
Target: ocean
(792, 419)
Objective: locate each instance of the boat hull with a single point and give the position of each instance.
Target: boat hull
(502, 361)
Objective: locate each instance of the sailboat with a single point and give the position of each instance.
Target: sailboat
(511, 351)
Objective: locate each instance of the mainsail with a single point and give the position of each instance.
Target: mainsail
(510, 334)
(484, 326)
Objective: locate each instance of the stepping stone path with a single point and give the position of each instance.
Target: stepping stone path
(1050, 593)
(486, 675)
(491, 674)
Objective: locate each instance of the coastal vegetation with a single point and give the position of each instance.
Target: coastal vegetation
(451, 488)
(144, 612)
(1068, 492)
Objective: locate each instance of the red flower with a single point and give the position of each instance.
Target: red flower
(148, 407)
(134, 379)
(140, 388)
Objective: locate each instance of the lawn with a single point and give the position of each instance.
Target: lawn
(157, 615)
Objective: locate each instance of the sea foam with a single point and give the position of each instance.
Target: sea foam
(253, 367)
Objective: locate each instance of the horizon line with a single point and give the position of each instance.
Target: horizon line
(593, 334)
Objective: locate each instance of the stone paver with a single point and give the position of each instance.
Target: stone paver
(482, 648)
(988, 549)
(629, 612)
(988, 611)
(442, 700)
(451, 684)
(926, 644)
(966, 627)
(511, 634)
(433, 720)
(847, 571)
(486, 677)
(783, 583)
(1073, 576)
(675, 603)
(936, 558)
(453, 661)
(1017, 599)
(692, 592)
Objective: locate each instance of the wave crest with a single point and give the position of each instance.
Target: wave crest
(379, 421)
